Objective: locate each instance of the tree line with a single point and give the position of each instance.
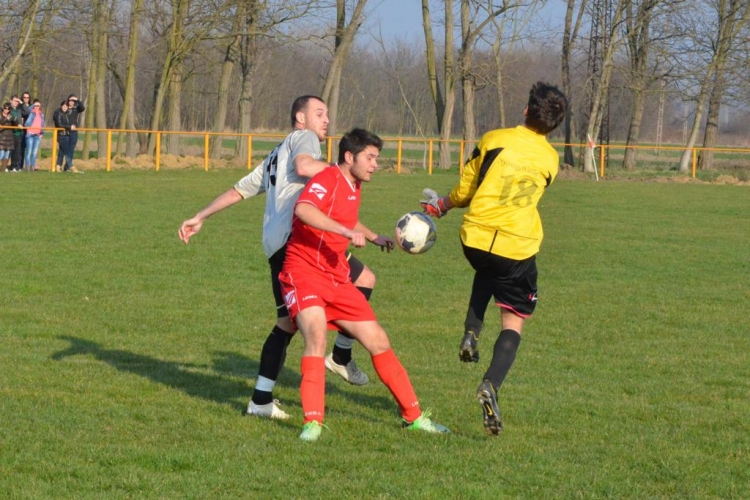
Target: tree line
(657, 71)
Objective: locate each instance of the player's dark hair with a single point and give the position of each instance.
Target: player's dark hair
(300, 104)
(356, 140)
(546, 108)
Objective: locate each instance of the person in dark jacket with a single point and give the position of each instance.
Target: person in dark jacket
(75, 108)
(61, 119)
(16, 118)
(6, 137)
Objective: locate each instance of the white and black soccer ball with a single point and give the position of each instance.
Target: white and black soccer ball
(416, 232)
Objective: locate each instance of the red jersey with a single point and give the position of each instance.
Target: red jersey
(333, 194)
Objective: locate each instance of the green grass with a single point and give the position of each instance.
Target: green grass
(128, 357)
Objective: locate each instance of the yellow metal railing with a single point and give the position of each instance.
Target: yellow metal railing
(402, 144)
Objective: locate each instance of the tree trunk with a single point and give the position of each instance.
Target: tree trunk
(601, 90)
(174, 117)
(127, 119)
(343, 40)
(222, 100)
(634, 130)
(446, 125)
(570, 35)
(101, 80)
(432, 76)
(28, 26)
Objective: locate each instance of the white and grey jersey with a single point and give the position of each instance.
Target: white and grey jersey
(277, 177)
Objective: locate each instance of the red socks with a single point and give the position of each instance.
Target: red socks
(313, 388)
(394, 376)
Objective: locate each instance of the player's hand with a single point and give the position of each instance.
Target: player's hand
(432, 204)
(358, 239)
(384, 242)
(189, 228)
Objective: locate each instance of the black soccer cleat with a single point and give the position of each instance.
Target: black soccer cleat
(493, 421)
(468, 352)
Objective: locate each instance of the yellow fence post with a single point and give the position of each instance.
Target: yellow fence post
(205, 152)
(601, 160)
(54, 150)
(398, 156)
(461, 151)
(109, 150)
(249, 151)
(429, 157)
(157, 152)
(695, 160)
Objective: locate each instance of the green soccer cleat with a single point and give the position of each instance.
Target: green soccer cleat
(311, 431)
(487, 397)
(425, 424)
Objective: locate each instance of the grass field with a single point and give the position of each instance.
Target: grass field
(127, 357)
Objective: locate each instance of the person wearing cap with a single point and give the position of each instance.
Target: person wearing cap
(75, 108)
(34, 133)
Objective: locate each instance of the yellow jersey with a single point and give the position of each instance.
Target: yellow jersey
(502, 183)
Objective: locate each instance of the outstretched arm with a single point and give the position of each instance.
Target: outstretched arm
(194, 224)
(384, 242)
(313, 217)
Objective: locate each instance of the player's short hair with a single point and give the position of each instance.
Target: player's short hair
(546, 108)
(356, 140)
(300, 104)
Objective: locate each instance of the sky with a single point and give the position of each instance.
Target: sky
(402, 19)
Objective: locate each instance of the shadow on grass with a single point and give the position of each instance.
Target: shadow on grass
(217, 387)
(186, 377)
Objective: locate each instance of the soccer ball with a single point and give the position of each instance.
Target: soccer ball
(416, 232)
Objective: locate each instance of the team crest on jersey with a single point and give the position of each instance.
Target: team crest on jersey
(318, 190)
(532, 297)
(290, 299)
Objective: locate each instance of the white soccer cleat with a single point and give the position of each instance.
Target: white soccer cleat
(349, 372)
(270, 410)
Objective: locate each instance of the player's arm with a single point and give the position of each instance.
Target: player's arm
(194, 224)
(252, 184)
(435, 205)
(313, 217)
(307, 166)
(462, 194)
(384, 242)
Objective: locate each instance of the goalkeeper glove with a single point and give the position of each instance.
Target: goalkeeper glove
(432, 204)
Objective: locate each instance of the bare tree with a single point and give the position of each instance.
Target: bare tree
(570, 37)
(127, 117)
(610, 43)
(644, 72)
(182, 38)
(730, 19)
(343, 40)
(444, 101)
(28, 25)
(475, 18)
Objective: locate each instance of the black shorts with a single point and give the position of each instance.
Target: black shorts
(512, 282)
(276, 262)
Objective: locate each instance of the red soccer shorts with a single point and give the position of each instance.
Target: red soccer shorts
(341, 301)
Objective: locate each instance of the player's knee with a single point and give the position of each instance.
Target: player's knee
(285, 323)
(366, 279)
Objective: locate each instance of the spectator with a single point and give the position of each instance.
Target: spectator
(16, 158)
(25, 107)
(6, 137)
(61, 119)
(75, 108)
(34, 133)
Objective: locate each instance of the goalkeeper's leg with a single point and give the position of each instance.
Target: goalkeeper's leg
(481, 294)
